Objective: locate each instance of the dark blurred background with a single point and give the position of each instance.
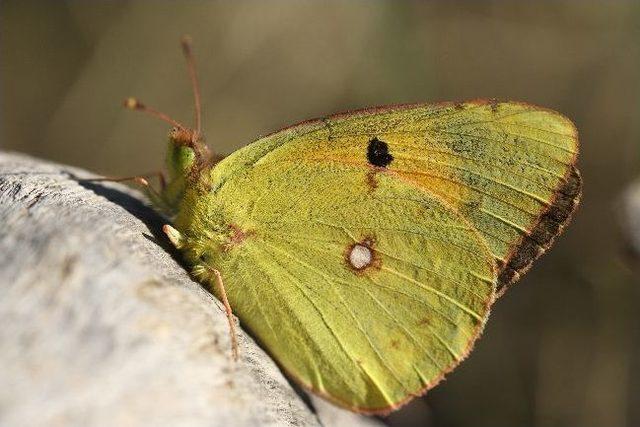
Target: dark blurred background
(562, 348)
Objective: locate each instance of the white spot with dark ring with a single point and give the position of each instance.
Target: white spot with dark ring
(360, 256)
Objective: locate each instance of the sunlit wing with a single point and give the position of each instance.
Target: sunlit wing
(509, 168)
(368, 333)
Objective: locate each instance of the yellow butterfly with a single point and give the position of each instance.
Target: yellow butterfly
(364, 249)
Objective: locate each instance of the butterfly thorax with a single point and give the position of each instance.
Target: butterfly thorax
(211, 231)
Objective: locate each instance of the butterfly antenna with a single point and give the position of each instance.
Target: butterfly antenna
(134, 104)
(186, 43)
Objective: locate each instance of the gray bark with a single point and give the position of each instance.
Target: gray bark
(101, 326)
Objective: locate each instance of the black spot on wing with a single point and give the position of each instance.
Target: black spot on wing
(378, 153)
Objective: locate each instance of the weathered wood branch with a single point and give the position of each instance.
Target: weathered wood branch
(100, 325)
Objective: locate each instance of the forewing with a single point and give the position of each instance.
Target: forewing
(509, 168)
(367, 338)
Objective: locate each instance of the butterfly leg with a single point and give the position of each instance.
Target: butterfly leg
(162, 180)
(176, 238)
(138, 179)
(227, 308)
(152, 194)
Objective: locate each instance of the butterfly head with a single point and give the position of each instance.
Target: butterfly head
(188, 157)
(187, 154)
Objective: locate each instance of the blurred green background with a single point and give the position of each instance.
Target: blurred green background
(562, 348)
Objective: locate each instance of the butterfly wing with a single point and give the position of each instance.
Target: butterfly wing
(367, 297)
(509, 168)
(439, 195)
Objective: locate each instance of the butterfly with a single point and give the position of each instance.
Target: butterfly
(364, 250)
